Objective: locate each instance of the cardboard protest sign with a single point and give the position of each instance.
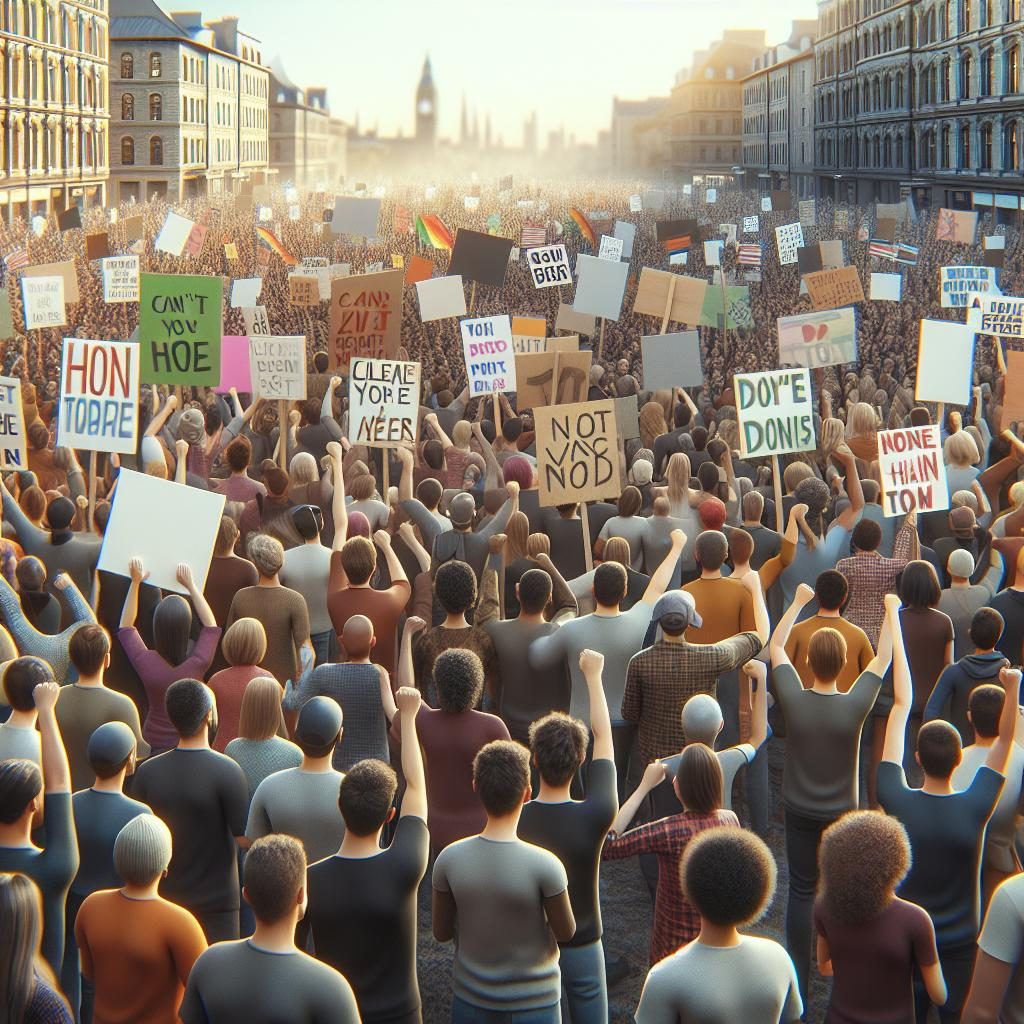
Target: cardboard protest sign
(808, 259)
(776, 412)
(69, 219)
(257, 324)
(841, 219)
(781, 200)
(600, 287)
(886, 287)
(828, 338)
(196, 240)
(355, 216)
(751, 225)
(180, 329)
(635, 204)
(627, 417)
(480, 257)
(303, 290)
(788, 239)
(174, 234)
(830, 289)
(549, 266)
(99, 396)
(912, 470)
(278, 368)
(528, 334)
(1013, 399)
(145, 512)
(383, 402)
(13, 447)
(885, 229)
(627, 233)
(652, 296)
(6, 318)
(97, 246)
(235, 371)
(134, 228)
(65, 270)
(1002, 316)
(487, 348)
(672, 360)
(995, 250)
(441, 298)
(417, 269)
(891, 211)
(808, 213)
(568, 319)
(832, 257)
(713, 253)
(945, 355)
(43, 298)
(121, 279)
(535, 374)
(611, 249)
(956, 226)
(366, 317)
(957, 283)
(727, 311)
(245, 292)
(577, 453)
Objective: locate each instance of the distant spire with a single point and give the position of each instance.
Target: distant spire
(427, 75)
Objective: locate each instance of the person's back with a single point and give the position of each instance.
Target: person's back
(307, 571)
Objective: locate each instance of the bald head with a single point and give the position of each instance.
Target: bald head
(702, 719)
(357, 636)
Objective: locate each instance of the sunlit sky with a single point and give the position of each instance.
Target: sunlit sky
(565, 58)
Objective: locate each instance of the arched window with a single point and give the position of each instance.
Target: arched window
(1012, 76)
(887, 92)
(127, 152)
(985, 156)
(985, 82)
(878, 152)
(928, 154)
(156, 107)
(900, 97)
(1011, 150)
(966, 15)
(155, 65)
(888, 152)
(127, 107)
(965, 146)
(966, 72)
(946, 80)
(156, 151)
(127, 66)
(947, 146)
(900, 34)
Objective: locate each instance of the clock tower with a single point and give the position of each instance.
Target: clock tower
(426, 108)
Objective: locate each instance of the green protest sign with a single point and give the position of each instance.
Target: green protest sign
(180, 329)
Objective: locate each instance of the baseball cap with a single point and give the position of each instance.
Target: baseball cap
(461, 509)
(676, 608)
(962, 521)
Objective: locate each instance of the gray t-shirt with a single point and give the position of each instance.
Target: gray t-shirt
(1002, 938)
(307, 570)
(753, 982)
(731, 760)
(658, 542)
(259, 759)
(822, 743)
(234, 981)
(19, 743)
(300, 804)
(506, 957)
(632, 529)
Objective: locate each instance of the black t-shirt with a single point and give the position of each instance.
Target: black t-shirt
(575, 833)
(204, 799)
(362, 914)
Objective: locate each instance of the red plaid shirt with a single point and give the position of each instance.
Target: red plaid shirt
(675, 921)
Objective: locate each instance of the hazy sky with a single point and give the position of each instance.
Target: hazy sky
(565, 58)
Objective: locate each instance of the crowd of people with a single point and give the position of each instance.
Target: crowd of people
(406, 675)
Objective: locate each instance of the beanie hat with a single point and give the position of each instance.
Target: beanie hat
(643, 472)
(142, 849)
(813, 493)
(60, 512)
(110, 744)
(319, 722)
(960, 563)
(191, 426)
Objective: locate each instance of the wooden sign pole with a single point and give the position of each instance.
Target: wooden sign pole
(668, 305)
(600, 342)
(1000, 358)
(588, 551)
(472, 298)
(283, 427)
(92, 489)
(777, 490)
(725, 318)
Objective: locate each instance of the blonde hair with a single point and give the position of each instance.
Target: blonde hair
(729, 432)
(245, 642)
(261, 716)
(303, 469)
(518, 533)
(960, 450)
(652, 423)
(538, 544)
(677, 476)
(462, 434)
(617, 550)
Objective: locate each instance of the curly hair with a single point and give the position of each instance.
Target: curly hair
(558, 744)
(728, 874)
(863, 857)
(459, 677)
(455, 587)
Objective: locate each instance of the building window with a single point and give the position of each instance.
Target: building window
(127, 107)
(156, 107)
(965, 147)
(947, 146)
(155, 66)
(1013, 69)
(947, 83)
(1011, 160)
(965, 15)
(127, 152)
(127, 66)
(985, 84)
(1012, 10)
(966, 71)
(156, 151)
(985, 156)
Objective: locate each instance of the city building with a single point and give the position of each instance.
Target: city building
(190, 104)
(300, 133)
(639, 137)
(54, 118)
(778, 116)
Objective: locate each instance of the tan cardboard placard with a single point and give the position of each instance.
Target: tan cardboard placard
(65, 269)
(303, 290)
(569, 320)
(830, 289)
(366, 317)
(534, 372)
(577, 453)
(687, 296)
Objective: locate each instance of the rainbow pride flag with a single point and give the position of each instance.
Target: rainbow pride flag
(432, 231)
(270, 241)
(583, 224)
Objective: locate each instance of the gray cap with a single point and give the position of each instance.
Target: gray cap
(319, 722)
(678, 608)
(110, 743)
(960, 563)
(643, 472)
(142, 849)
(702, 719)
(191, 426)
(461, 509)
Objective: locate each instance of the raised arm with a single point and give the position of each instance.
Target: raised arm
(56, 773)
(159, 420)
(492, 475)
(654, 776)
(999, 752)
(757, 672)
(383, 541)
(762, 625)
(181, 461)
(406, 458)
(419, 552)
(592, 665)
(339, 510)
(777, 648)
(891, 633)
(406, 674)
(430, 421)
(387, 696)
(414, 800)
(903, 696)
(663, 574)
(847, 519)
(130, 611)
(203, 610)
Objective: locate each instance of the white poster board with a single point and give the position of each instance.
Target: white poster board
(956, 284)
(945, 356)
(278, 368)
(827, 337)
(600, 287)
(99, 396)
(13, 449)
(751, 225)
(776, 412)
(257, 325)
(886, 287)
(120, 279)
(611, 249)
(549, 266)
(789, 238)
(383, 402)
(489, 354)
(441, 298)
(245, 292)
(1002, 316)
(44, 302)
(912, 470)
(174, 234)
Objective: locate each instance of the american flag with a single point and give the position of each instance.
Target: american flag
(532, 236)
(16, 259)
(749, 255)
(907, 254)
(881, 249)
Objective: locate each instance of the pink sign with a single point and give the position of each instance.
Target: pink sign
(234, 365)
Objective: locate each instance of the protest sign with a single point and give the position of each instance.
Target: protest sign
(441, 298)
(278, 368)
(711, 196)
(635, 204)
(303, 290)
(841, 219)
(808, 258)
(174, 234)
(808, 213)
(577, 453)
(121, 279)
(655, 289)
(6, 318)
(627, 233)
(180, 329)
(235, 371)
(487, 348)
(945, 355)
(828, 338)
(1013, 399)
(726, 309)
(535, 374)
(97, 246)
(627, 417)
(195, 241)
(477, 256)
(600, 287)
(417, 269)
(257, 325)
(672, 360)
(782, 200)
(13, 449)
(751, 225)
(99, 396)
(885, 229)
(567, 319)
(886, 287)
(245, 292)
(776, 412)
(788, 239)
(830, 289)
(355, 216)
(147, 511)
(366, 317)
(832, 254)
(713, 253)
(912, 470)
(891, 211)
(1001, 315)
(766, 204)
(956, 226)
(528, 334)
(957, 283)
(43, 298)
(611, 249)
(728, 233)
(383, 402)
(65, 270)
(549, 266)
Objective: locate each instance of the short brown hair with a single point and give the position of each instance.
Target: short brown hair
(617, 550)
(699, 779)
(826, 654)
(358, 559)
(260, 716)
(275, 872)
(363, 488)
(630, 501)
(227, 535)
(88, 648)
(558, 744)
(366, 795)
(501, 775)
(245, 642)
(238, 454)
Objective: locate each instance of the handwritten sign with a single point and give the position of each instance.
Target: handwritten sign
(830, 289)
(44, 302)
(383, 402)
(180, 329)
(957, 283)
(912, 470)
(788, 239)
(956, 226)
(366, 317)
(490, 360)
(751, 225)
(13, 450)
(776, 412)
(303, 290)
(121, 279)
(577, 453)
(1002, 316)
(535, 373)
(257, 324)
(528, 334)
(278, 367)
(611, 248)
(99, 396)
(827, 338)
(549, 266)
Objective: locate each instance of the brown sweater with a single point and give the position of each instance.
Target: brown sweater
(285, 619)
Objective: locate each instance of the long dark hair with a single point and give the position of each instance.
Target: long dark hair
(172, 629)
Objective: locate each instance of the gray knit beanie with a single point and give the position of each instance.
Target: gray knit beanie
(142, 849)
(191, 426)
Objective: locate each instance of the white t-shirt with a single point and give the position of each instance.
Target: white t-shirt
(1002, 938)
(1001, 826)
(307, 569)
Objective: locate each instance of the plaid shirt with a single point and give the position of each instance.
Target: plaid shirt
(675, 921)
(662, 678)
(870, 576)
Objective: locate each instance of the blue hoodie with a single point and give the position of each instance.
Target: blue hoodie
(952, 693)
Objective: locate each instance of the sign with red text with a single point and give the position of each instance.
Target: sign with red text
(366, 317)
(489, 353)
(99, 396)
(912, 470)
